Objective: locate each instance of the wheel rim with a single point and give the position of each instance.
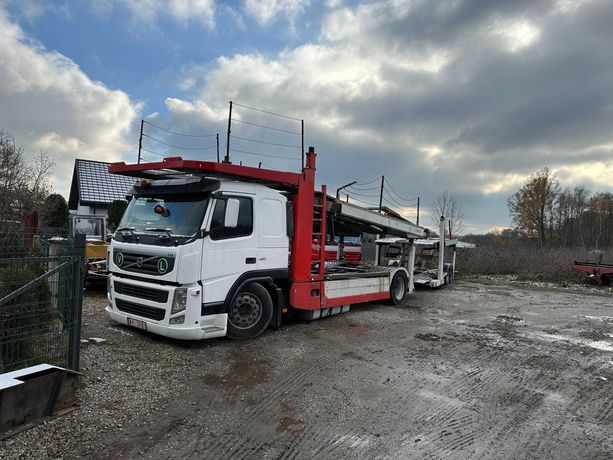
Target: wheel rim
(246, 311)
(398, 288)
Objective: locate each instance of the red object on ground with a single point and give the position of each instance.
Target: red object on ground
(599, 272)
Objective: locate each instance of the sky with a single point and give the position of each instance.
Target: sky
(466, 96)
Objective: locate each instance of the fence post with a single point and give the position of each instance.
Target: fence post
(74, 341)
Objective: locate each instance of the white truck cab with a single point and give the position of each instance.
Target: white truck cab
(181, 247)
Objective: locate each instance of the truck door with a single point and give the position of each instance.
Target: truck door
(230, 248)
(273, 241)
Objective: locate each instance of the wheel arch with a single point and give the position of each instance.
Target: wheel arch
(269, 279)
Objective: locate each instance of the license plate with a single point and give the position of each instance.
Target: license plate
(137, 323)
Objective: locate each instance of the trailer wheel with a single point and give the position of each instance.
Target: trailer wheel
(398, 288)
(250, 312)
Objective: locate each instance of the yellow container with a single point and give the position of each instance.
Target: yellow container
(95, 249)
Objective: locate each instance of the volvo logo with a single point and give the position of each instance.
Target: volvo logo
(162, 265)
(139, 262)
(119, 259)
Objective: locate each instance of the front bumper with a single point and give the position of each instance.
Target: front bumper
(210, 326)
(151, 303)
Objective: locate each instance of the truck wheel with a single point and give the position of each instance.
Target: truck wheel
(398, 289)
(250, 312)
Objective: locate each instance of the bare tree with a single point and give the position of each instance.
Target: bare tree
(23, 187)
(447, 206)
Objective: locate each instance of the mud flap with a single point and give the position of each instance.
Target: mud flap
(277, 311)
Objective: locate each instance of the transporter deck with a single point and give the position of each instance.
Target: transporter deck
(238, 277)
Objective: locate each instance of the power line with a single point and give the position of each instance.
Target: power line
(178, 134)
(376, 187)
(398, 203)
(393, 207)
(397, 194)
(264, 142)
(369, 182)
(177, 146)
(266, 127)
(361, 194)
(155, 153)
(361, 201)
(264, 111)
(264, 155)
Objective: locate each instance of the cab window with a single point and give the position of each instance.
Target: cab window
(244, 226)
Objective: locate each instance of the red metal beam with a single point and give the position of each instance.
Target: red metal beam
(302, 242)
(173, 165)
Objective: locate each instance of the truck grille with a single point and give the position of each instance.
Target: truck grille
(154, 295)
(143, 263)
(157, 314)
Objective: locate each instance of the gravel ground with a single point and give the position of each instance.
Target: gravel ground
(471, 370)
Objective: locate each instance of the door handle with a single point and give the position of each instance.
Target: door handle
(250, 260)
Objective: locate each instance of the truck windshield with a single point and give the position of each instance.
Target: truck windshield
(174, 214)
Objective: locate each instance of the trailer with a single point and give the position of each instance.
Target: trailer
(209, 249)
(435, 250)
(598, 272)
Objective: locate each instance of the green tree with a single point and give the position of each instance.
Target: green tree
(532, 206)
(115, 213)
(54, 214)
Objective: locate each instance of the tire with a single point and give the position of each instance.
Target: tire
(249, 313)
(398, 288)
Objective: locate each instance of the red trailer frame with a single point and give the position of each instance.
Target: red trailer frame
(599, 272)
(307, 286)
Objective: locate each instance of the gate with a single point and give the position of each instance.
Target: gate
(41, 293)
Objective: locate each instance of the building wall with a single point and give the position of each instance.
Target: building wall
(83, 210)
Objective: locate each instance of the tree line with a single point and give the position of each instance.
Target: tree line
(561, 217)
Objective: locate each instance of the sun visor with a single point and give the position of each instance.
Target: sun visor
(175, 186)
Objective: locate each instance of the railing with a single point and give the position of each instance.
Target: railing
(41, 284)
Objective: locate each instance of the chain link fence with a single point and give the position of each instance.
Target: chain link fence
(41, 284)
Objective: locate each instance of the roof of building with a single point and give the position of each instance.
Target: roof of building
(92, 184)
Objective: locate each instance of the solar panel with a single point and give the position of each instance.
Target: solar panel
(97, 185)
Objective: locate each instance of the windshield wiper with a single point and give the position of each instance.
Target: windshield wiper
(167, 231)
(124, 231)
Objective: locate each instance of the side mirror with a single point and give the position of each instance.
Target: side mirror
(231, 217)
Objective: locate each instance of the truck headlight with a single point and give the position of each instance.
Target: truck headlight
(180, 300)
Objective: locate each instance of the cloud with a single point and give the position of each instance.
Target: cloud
(268, 11)
(181, 11)
(142, 12)
(49, 103)
(466, 96)
(33, 10)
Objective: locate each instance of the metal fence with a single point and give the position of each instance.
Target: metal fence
(41, 285)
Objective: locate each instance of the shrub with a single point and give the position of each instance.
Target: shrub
(115, 213)
(25, 320)
(525, 262)
(54, 215)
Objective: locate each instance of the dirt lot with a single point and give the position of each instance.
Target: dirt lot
(470, 370)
